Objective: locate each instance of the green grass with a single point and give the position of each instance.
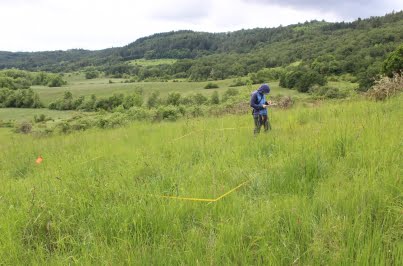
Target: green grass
(152, 62)
(5, 135)
(102, 88)
(326, 190)
(27, 114)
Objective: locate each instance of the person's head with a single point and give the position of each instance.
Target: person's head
(264, 89)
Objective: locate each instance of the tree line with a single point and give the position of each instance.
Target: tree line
(356, 48)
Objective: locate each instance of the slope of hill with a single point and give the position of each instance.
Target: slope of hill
(334, 48)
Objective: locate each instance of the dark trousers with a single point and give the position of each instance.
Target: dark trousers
(261, 120)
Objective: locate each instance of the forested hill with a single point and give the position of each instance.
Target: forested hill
(351, 47)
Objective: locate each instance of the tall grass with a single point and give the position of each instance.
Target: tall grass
(326, 189)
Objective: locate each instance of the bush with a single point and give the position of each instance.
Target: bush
(231, 92)
(139, 113)
(195, 111)
(290, 79)
(24, 127)
(266, 75)
(366, 79)
(187, 100)
(91, 74)
(334, 93)
(302, 80)
(20, 98)
(328, 92)
(40, 118)
(63, 104)
(211, 85)
(173, 98)
(88, 105)
(135, 99)
(170, 113)
(308, 79)
(238, 82)
(63, 127)
(200, 99)
(8, 123)
(394, 63)
(113, 121)
(215, 99)
(386, 87)
(283, 102)
(110, 103)
(153, 100)
(56, 81)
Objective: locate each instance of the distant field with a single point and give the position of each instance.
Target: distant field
(152, 62)
(79, 86)
(25, 114)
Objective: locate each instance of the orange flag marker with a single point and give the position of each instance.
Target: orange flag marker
(39, 160)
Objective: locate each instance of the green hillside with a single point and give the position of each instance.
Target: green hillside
(357, 48)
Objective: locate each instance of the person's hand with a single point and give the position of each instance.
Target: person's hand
(265, 105)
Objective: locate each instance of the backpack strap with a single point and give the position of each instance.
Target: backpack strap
(258, 101)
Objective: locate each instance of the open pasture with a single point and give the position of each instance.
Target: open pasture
(325, 188)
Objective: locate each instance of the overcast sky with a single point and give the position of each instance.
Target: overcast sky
(43, 25)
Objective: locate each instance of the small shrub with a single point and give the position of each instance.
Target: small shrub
(56, 81)
(153, 100)
(8, 123)
(24, 127)
(82, 124)
(215, 99)
(238, 82)
(139, 113)
(285, 102)
(173, 98)
(40, 118)
(91, 74)
(170, 113)
(195, 111)
(113, 121)
(63, 127)
(200, 99)
(187, 100)
(211, 85)
(327, 92)
(231, 92)
(334, 93)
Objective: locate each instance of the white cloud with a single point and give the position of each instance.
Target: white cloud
(38, 25)
(183, 10)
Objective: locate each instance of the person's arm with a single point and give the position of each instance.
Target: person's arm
(253, 104)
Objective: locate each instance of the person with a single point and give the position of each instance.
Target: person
(259, 104)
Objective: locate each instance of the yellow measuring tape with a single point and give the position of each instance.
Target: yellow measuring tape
(205, 200)
(219, 129)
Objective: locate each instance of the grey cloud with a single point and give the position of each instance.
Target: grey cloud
(346, 9)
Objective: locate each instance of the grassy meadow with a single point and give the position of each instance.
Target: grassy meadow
(27, 114)
(79, 86)
(152, 62)
(324, 188)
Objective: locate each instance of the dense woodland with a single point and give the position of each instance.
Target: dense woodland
(357, 48)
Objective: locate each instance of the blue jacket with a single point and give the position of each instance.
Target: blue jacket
(258, 99)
